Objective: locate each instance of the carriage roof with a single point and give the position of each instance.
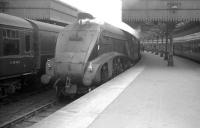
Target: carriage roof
(46, 26)
(10, 20)
(190, 37)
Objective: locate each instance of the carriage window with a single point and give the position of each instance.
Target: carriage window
(13, 34)
(198, 50)
(8, 33)
(27, 39)
(10, 47)
(17, 34)
(4, 33)
(10, 42)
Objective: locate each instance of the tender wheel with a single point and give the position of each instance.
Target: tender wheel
(104, 73)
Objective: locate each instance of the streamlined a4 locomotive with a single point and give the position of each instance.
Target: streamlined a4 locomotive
(88, 54)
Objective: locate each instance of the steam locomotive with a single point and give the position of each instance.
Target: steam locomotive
(25, 46)
(89, 53)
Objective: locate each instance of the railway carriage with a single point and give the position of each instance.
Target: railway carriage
(25, 46)
(89, 54)
(45, 37)
(188, 46)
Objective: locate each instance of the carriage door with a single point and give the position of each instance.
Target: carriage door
(28, 53)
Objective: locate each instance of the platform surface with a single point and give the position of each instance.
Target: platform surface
(149, 95)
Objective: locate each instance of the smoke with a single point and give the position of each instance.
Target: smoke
(107, 10)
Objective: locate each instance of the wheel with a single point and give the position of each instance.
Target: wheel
(114, 71)
(118, 66)
(127, 64)
(104, 73)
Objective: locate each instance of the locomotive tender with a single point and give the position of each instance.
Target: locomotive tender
(25, 46)
(88, 54)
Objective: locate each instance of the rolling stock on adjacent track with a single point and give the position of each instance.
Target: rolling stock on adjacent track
(25, 46)
(89, 53)
(188, 46)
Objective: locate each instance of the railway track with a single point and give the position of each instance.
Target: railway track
(21, 96)
(33, 116)
(24, 106)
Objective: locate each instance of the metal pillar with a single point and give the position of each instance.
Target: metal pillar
(157, 47)
(170, 55)
(166, 45)
(170, 28)
(162, 46)
(152, 50)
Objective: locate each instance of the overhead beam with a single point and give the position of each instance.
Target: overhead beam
(160, 10)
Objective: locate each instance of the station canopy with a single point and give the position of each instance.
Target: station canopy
(52, 11)
(160, 10)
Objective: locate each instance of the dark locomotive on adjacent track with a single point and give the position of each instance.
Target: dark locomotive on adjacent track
(25, 46)
(88, 54)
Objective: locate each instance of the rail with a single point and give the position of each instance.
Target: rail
(27, 115)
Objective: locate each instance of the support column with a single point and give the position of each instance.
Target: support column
(157, 47)
(166, 45)
(170, 56)
(170, 28)
(162, 46)
(152, 50)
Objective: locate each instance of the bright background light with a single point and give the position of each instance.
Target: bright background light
(107, 10)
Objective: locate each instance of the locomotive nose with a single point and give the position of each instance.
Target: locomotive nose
(71, 64)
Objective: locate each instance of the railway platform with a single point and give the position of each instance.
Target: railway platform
(149, 95)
